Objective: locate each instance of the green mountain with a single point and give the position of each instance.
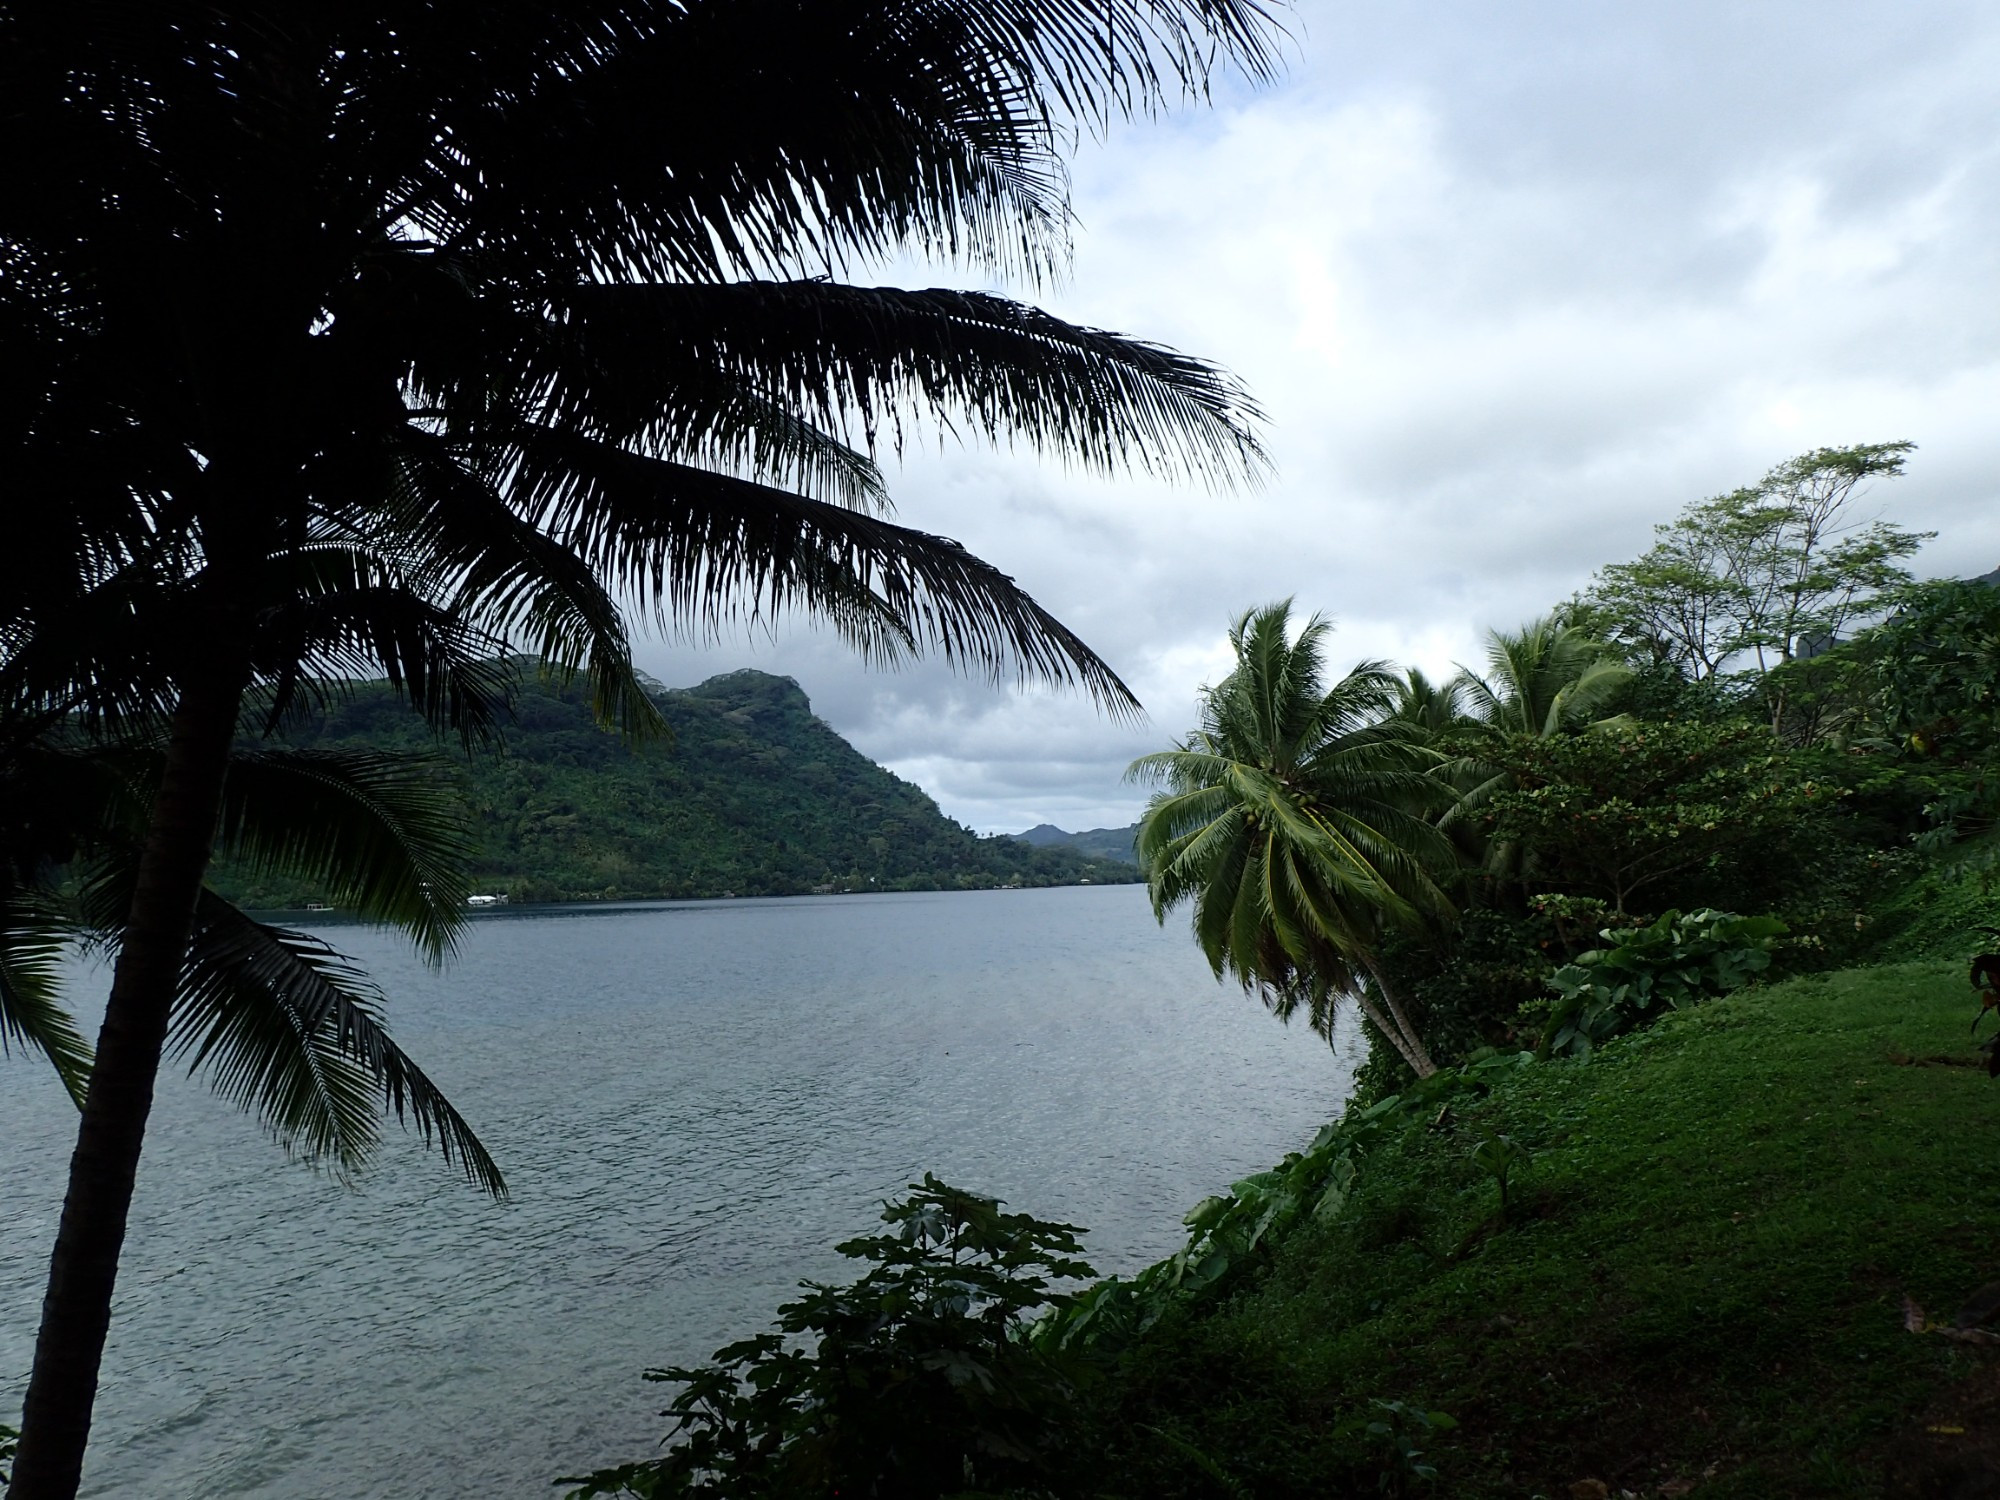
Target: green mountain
(1098, 843)
(754, 797)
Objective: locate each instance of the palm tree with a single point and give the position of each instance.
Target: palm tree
(526, 301)
(1545, 679)
(1541, 680)
(1294, 821)
(1436, 708)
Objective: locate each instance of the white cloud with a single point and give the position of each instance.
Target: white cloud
(1514, 284)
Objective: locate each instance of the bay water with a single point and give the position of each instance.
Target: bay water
(692, 1103)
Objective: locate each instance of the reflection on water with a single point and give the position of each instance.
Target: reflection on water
(692, 1102)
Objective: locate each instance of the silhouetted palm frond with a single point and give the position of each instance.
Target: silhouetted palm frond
(287, 1028)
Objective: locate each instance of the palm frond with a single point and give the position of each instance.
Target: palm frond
(659, 367)
(350, 611)
(32, 1015)
(288, 1029)
(858, 131)
(446, 521)
(384, 835)
(703, 549)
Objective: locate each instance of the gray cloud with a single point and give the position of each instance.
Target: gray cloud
(1514, 283)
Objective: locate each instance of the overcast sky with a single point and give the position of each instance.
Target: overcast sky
(1514, 283)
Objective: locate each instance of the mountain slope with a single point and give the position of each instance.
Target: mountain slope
(755, 796)
(1097, 843)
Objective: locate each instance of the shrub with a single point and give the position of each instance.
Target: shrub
(1675, 961)
(912, 1382)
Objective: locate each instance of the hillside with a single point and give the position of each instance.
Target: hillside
(1701, 1291)
(1097, 843)
(754, 797)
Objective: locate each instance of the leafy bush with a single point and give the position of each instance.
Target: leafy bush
(911, 1384)
(1499, 1157)
(1934, 669)
(1676, 961)
(1666, 814)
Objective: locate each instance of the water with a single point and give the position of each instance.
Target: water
(692, 1102)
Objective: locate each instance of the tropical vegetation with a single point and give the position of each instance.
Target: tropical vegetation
(1293, 822)
(917, 1379)
(1762, 717)
(375, 339)
(1674, 1208)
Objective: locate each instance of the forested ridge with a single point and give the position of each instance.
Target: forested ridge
(753, 796)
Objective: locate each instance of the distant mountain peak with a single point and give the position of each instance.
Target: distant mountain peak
(747, 687)
(1043, 834)
(1100, 843)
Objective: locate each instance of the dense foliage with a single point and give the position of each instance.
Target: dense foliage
(1644, 815)
(752, 795)
(1763, 715)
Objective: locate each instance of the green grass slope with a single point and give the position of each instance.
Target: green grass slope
(756, 796)
(1699, 1291)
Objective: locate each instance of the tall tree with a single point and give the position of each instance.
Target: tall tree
(1293, 819)
(533, 296)
(1545, 680)
(1763, 572)
(1436, 708)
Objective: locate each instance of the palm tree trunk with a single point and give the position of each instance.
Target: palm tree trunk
(1402, 1035)
(76, 1310)
(1386, 1031)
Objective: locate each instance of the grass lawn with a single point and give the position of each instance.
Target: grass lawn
(1699, 1289)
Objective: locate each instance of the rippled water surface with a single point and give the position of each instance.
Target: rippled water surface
(692, 1103)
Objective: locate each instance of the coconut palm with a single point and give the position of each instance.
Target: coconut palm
(1293, 819)
(1543, 679)
(1436, 708)
(528, 301)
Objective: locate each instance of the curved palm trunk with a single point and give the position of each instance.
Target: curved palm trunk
(1396, 1027)
(76, 1310)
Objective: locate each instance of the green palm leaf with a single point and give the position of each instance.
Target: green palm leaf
(1297, 820)
(383, 835)
(694, 545)
(638, 364)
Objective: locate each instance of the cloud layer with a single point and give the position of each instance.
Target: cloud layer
(1514, 284)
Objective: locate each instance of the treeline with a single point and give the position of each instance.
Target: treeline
(752, 796)
(1764, 714)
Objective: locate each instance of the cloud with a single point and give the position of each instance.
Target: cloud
(1514, 284)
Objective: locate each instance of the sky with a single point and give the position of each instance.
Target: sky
(1514, 284)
